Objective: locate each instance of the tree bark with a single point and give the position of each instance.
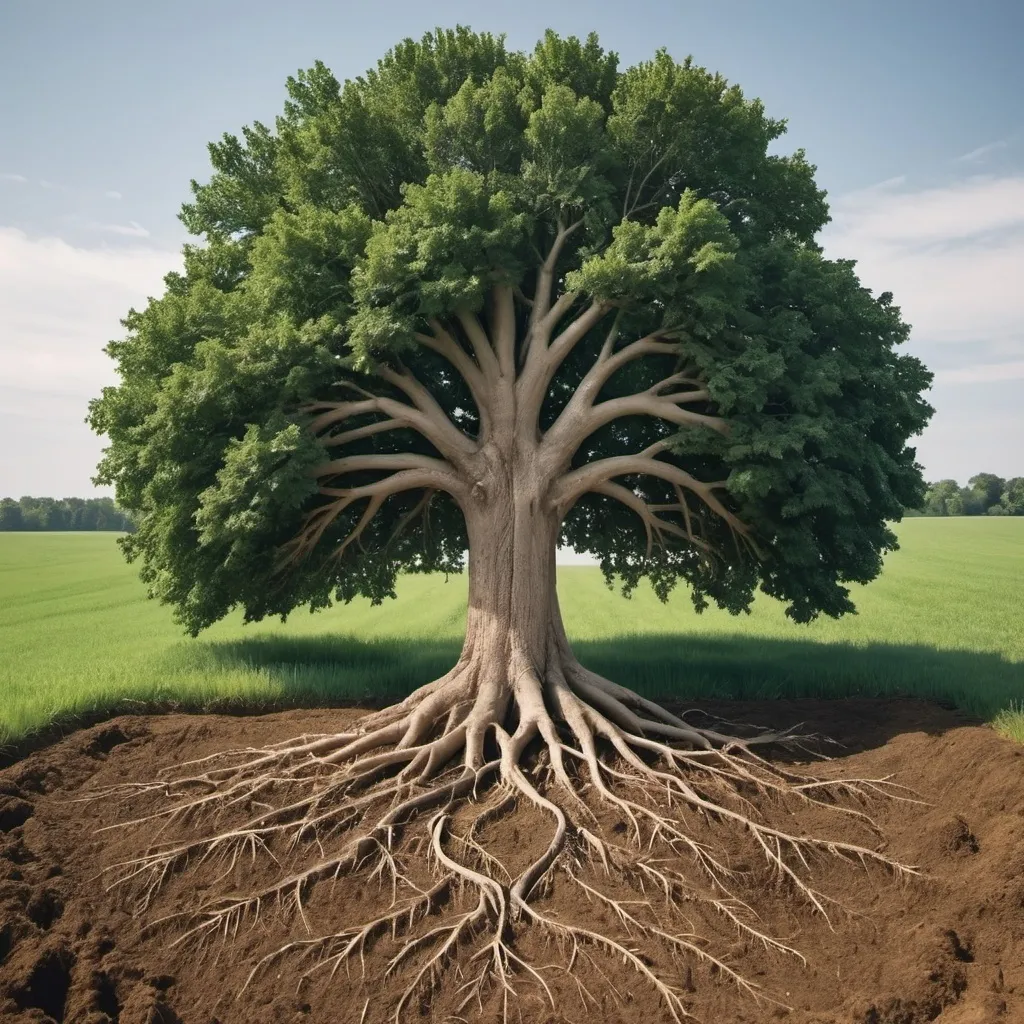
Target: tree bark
(513, 534)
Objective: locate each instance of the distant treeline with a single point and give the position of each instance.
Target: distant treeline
(985, 495)
(29, 514)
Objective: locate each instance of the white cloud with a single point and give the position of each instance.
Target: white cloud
(978, 155)
(18, 179)
(59, 306)
(953, 257)
(112, 194)
(44, 183)
(133, 229)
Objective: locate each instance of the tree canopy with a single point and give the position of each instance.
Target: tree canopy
(364, 242)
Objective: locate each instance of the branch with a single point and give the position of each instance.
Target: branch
(546, 275)
(451, 442)
(482, 349)
(560, 436)
(628, 212)
(445, 346)
(572, 335)
(357, 433)
(653, 523)
(607, 363)
(378, 492)
(544, 362)
(391, 462)
(504, 329)
(335, 412)
(434, 426)
(538, 333)
(588, 478)
(573, 434)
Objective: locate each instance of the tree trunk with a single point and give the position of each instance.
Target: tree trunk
(512, 600)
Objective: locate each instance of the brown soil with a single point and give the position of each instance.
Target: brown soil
(948, 946)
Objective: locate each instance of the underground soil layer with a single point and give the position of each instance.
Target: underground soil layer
(946, 945)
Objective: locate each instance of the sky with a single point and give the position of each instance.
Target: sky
(910, 110)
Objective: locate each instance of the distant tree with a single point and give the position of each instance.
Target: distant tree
(32, 512)
(944, 498)
(88, 518)
(54, 515)
(985, 490)
(10, 515)
(108, 516)
(1011, 502)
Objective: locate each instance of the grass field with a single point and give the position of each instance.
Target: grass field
(945, 621)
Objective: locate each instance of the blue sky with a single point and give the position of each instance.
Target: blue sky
(911, 111)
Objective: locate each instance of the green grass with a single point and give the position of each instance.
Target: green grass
(944, 621)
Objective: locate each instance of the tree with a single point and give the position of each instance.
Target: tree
(484, 300)
(1012, 501)
(944, 498)
(33, 512)
(985, 489)
(55, 515)
(10, 515)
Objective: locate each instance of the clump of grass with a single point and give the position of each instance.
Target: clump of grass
(1010, 721)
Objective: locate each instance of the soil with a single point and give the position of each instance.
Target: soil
(946, 946)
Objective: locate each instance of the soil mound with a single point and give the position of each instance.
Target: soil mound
(946, 946)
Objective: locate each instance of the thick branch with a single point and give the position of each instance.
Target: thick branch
(504, 329)
(533, 384)
(607, 364)
(433, 425)
(390, 462)
(451, 442)
(588, 478)
(445, 346)
(486, 357)
(563, 444)
(436, 476)
(572, 335)
(546, 275)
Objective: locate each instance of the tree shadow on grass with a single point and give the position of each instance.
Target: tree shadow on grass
(336, 670)
(833, 689)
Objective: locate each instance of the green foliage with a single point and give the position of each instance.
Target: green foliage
(1012, 501)
(452, 239)
(58, 514)
(331, 240)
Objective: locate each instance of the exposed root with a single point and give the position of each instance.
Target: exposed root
(409, 798)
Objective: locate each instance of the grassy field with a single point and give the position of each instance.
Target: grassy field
(944, 621)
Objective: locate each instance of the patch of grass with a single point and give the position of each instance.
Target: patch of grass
(77, 636)
(1010, 721)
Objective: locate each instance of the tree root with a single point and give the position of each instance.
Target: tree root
(407, 799)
